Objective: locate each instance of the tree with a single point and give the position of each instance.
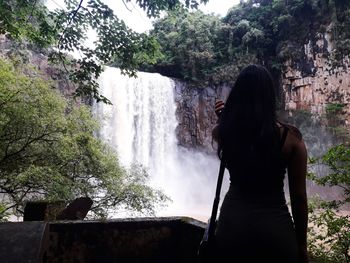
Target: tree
(48, 151)
(329, 234)
(66, 30)
(187, 41)
(204, 50)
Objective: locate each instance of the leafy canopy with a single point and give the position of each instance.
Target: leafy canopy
(65, 30)
(329, 233)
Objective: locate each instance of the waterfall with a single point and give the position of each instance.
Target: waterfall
(141, 126)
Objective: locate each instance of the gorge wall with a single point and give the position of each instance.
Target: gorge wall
(323, 83)
(24, 54)
(309, 85)
(196, 116)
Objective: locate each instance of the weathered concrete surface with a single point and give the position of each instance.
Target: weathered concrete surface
(173, 239)
(23, 242)
(141, 240)
(42, 210)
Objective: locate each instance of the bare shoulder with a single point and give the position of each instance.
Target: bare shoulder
(294, 132)
(294, 143)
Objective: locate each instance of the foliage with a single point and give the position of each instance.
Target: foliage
(194, 48)
(338, 160)
(67, 29)
(329, 234)
(334, 108)
(186, 41)
(268, 32)
(25, 19)
(4, 213)
(154, 7)
(329, 238)
(201, 49)
(335, 119)
(48, 151)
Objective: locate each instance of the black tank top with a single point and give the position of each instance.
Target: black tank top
(261, 182)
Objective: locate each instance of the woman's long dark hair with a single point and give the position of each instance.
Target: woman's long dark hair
(247, 128)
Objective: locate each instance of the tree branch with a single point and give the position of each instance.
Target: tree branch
(74, 13)
(126, 6)
(32, 12)
(8, 208)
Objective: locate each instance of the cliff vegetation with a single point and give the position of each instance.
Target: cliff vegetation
(209, 50)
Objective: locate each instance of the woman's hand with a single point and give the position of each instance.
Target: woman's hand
(219, 106)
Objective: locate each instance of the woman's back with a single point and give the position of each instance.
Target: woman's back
(255, 224)
(260, 178)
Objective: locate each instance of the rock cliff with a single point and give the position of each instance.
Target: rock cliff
(196, 116)
(323, 83)
(312, 84)
(26, 54)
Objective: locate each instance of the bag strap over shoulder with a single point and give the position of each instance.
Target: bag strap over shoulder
(211, 227)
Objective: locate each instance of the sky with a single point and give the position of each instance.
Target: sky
(136, 18)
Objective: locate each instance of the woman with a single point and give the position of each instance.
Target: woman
(254, 224)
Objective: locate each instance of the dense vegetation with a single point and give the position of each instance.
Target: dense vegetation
(329, 223)
(206, 49)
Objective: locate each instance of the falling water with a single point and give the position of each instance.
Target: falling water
(141, 125)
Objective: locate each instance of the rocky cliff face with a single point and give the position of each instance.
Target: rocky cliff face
(321, 84)
(308, 85)
(25, 54)
(196, 116)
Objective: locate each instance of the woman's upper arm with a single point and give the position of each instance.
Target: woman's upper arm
(297, 169)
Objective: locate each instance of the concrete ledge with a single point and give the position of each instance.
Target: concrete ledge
(23, 242)
(170, 239)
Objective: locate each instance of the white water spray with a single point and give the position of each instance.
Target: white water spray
(141, 125)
